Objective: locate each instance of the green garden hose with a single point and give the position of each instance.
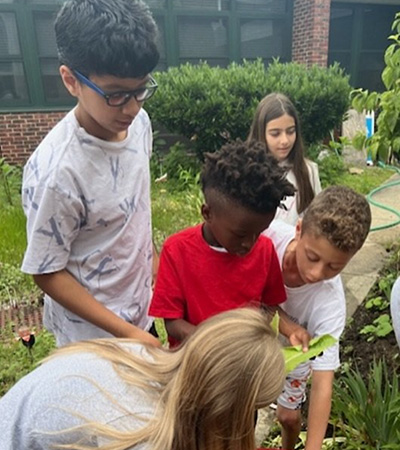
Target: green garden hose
(379, 205)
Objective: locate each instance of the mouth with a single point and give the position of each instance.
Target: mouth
(124, 124)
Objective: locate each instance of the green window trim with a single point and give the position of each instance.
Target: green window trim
(226, 18)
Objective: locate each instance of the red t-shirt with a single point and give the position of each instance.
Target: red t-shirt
(195, 281)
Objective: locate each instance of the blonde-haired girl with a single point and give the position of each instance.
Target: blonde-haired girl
(276, 124)
(121, 394)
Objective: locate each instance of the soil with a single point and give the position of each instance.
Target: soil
(359, 353)
(356, 350)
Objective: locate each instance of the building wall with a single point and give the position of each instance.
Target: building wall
(311, 31)
(20, 133)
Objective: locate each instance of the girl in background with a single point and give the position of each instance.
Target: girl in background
(122, 394)
(277, 125)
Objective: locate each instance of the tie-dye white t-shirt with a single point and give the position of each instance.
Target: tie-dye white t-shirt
(87, 203)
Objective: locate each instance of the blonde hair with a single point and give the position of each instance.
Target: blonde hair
(206, 391)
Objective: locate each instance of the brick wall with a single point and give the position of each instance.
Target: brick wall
(311, 31)
(20, 133)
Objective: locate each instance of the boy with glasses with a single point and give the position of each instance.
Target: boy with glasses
(86, 188)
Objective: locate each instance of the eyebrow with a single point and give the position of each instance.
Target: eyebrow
(280, 129)
(119, 88)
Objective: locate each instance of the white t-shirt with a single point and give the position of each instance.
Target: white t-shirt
(291, 215)
(318, 307)
(68, 391)
(87, 203)
(395, 309)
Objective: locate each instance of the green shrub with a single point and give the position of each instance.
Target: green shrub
(320, 95)
(209, 105)
(331, 169)
(178, 159)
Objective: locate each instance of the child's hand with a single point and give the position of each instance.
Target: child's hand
(144, 337)
(300, 336)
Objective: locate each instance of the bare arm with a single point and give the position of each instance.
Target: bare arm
(296, 334)
(69, 293)
(179, 329)
(320, 408)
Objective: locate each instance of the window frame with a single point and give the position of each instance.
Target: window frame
(166, 11)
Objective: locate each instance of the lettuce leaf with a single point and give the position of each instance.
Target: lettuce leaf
(294, 355)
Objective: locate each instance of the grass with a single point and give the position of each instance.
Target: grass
(16, 360)
(371, 178)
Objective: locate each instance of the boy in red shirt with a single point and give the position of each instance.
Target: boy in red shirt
(224, 263)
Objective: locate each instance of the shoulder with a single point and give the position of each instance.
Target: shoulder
(182, 237)
(279, 231)
(142, 119)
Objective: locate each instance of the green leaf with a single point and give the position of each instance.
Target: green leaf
(358, 140)
(275, 323)
(294, 355)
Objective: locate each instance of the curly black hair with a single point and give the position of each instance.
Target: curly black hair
(246, 174)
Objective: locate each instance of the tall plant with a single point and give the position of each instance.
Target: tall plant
(367, 413)
(386, 141)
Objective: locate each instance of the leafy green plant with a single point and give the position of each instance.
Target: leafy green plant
(320, 95)
(367, 413)
(10, 180)
(380, 327)
(178, 160)
(15, 360)
(156, 161)
(331, 169)
(378, 303)
(210, 105)
(386, 140)
(16, 288)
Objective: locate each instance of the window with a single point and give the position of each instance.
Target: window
(215, 31)
(261, 39)
(203, 39)
(358, 40)
(13, 87)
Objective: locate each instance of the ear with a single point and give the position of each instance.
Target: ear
(206, 212)
(299, 225)
(70, 82)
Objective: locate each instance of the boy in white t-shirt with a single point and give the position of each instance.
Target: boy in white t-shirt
(86, 188)
(312, 255)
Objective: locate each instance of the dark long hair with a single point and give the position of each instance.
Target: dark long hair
(272, 107)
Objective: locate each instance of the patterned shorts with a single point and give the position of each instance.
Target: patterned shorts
(294, 390)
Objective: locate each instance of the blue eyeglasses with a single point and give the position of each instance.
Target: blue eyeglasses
(121, 98)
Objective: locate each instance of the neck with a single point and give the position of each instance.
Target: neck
(208, 236)
(290, 272)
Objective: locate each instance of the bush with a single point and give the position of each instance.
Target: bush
(210, 105)
(207, 104)
(320, 95)
(178, 159)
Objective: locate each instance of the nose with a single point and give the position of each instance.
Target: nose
(284, 138)
(317, 273)
(132, 107)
